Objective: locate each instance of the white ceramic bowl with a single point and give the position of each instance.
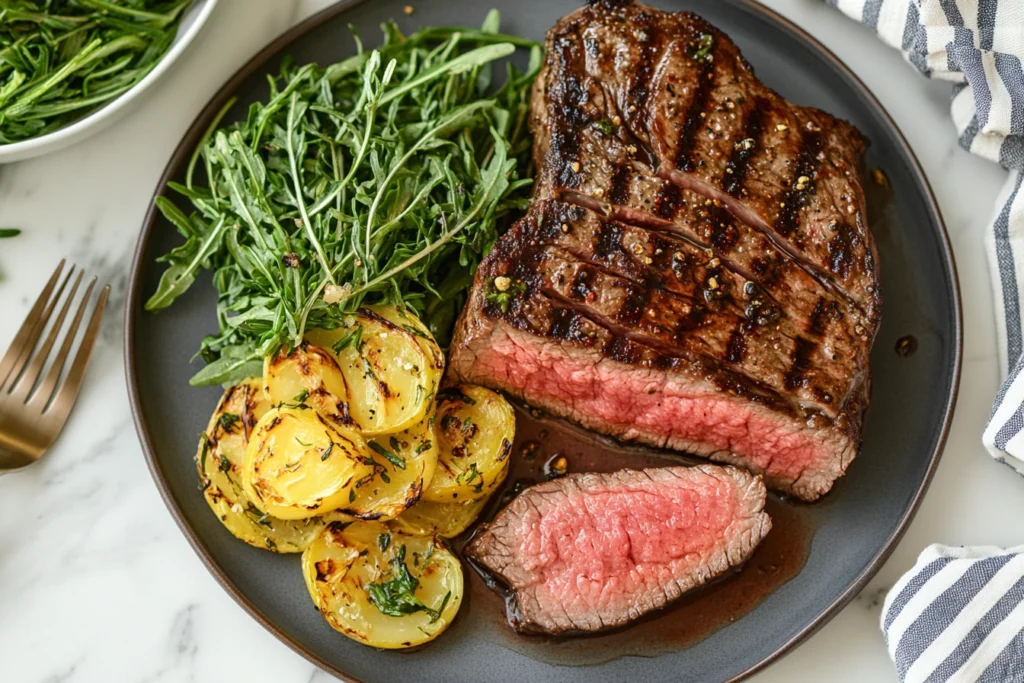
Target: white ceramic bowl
(191, 23)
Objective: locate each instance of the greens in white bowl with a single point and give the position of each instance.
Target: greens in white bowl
(69, 69)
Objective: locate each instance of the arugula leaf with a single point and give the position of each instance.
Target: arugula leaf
(185, 262)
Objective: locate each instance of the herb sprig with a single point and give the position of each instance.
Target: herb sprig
(61, 59)
(383, 178)
(396, 597)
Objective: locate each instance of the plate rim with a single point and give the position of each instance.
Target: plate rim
(194, 133)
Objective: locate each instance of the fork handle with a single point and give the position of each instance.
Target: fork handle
(12, 461)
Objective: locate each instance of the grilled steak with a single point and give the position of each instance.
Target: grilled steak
(593, 551)
(695, 270)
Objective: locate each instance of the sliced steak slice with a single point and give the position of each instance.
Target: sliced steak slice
(589, 552)
(688, 274)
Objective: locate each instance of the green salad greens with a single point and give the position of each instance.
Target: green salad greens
(61, 59)
(383, 178)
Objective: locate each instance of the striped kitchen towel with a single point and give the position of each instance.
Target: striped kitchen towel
(958, 616)
(978, 45)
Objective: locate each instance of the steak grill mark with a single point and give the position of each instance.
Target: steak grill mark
(693, 120)
(565, 142)
(648, 37)
(618, 190)
(796, 197)
(801, 362)
(736, 168)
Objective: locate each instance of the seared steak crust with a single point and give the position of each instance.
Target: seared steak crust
(630, 90)
(589, 552)
(694, 270)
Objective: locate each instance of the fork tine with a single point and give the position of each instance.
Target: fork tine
(30, 375)
(28, 334)
(66, 394)
(46, 388)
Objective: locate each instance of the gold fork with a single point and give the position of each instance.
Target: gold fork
(33, 407)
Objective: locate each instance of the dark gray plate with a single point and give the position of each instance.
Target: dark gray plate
(855, 528)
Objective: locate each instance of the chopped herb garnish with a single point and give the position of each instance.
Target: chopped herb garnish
(440, 608)
(9, 232)
(503, 290)
(327, 452)
(392, 458)
(204, 451)
(369, 373)
(469, 475)
(352, 495)
(397, 596)
(225, 464)
(383, 541)
(704, 45)
(354, 337)
(606, 126)
(299, 401)
(228, 421)
(257, 515)
(423, 446)
(413, 330)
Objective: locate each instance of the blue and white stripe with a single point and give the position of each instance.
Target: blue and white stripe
(978, 45)
(958, 616)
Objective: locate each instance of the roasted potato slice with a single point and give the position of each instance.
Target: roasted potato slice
(299, 464)
(220, 459)
(381, 587)
(410, 322)
(427, 518)
(308, 375)
(391, 379)
(403, 465)
(475, 428)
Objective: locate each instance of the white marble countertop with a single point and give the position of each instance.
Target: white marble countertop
(96, 582)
